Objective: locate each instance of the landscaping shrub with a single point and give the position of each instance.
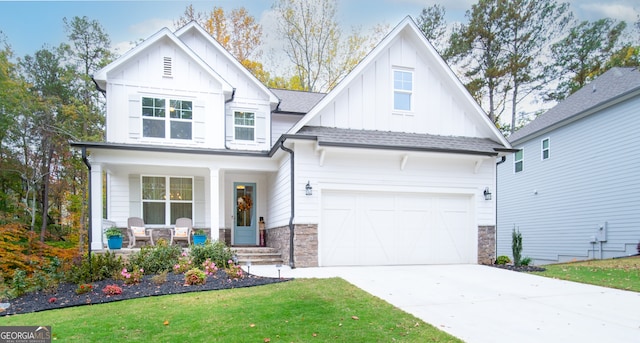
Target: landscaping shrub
(103, 266)
(47, 278)
(516, 246)
(155, 259)
(503, 260)
(525, 261)
(195, 276)
(111, 290)
(132, 277)
(234, 271)
(217, 252)
(84, 288)
(159, 279)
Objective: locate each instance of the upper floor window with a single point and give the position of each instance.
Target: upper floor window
(165, 199)
(156, 123)
(244, 124)
(402, 90)
(545, 148)
(518, 159)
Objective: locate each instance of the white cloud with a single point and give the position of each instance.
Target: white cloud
(613, 10)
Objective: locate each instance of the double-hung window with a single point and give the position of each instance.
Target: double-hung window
(518, 159)
(157, 124)
(402, 90)
(244, 124)
(545, 148)
(165, 199)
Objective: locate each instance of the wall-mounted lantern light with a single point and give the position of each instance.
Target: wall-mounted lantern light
(308, 189)
(487, 194)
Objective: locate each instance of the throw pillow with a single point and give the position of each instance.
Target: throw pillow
(138, 231)
(180, 232)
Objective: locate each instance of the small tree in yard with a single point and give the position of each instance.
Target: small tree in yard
(516, 246)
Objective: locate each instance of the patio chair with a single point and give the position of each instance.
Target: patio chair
(182, 231)
(137, 231)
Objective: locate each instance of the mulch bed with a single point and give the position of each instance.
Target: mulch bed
(65, 295)
(525, 269)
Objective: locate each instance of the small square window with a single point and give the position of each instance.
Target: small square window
(545, 148)
(518, 159)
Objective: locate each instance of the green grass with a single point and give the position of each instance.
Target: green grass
(621, 273)
(303, 310)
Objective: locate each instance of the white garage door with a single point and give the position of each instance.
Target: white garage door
(391, 229)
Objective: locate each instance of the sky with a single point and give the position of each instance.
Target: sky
(30, 25)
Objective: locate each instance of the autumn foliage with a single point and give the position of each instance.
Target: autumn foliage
(21, 249)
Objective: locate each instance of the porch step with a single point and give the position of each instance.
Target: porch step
(257, 255)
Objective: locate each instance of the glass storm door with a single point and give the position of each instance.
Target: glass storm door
(244, 223)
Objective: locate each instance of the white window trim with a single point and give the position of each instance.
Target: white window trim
(167, 118)
(394, 90)
(255, 121)
(515, 162)
(167, 202)
(542, 149)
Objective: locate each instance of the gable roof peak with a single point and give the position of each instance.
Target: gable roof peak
(101, 75)
(409, 26)
(193, 25)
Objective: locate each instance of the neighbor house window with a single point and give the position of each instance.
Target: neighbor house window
(165, 199)
(402, 90)
(244, 125)
(518, 161)
(156, 123)
(545, 148)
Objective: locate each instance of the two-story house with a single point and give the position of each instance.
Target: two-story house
(572, 189)
(395, 165)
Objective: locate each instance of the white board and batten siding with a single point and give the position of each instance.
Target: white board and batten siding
(366, 103)
(591, 178)
(426, 213)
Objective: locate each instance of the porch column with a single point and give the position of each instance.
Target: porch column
(96, 207)
(214, 202)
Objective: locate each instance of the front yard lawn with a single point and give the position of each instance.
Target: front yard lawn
(302, 310)
(621, 273)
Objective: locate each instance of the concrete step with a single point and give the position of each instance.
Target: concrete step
(257, 255)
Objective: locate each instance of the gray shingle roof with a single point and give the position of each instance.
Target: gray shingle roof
(296, 101)
(607, 87)
(401, 141)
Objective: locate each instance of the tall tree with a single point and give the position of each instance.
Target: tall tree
(237, 31)
(433, 24)
(479, 47)
(582, 54)
(88, 49)
(315, 44)
(13, 93)
(527, 28)
(45, 74)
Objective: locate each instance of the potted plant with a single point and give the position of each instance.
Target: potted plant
(114, 238)
(199, 237)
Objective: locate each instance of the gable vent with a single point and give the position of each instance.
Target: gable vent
(167, 67)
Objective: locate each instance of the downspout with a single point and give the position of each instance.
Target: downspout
(90, 235)
(100, 89)
(233, 96)
(504, 158)
(291, 228)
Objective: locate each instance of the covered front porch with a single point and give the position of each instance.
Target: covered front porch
(227, 202)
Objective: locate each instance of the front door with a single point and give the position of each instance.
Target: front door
(244, 224)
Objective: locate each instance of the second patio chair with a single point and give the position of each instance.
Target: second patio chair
(182, 231)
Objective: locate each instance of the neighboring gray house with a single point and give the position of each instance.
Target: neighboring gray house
(573, 188)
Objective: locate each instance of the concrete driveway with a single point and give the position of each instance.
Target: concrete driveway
(485, 304)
